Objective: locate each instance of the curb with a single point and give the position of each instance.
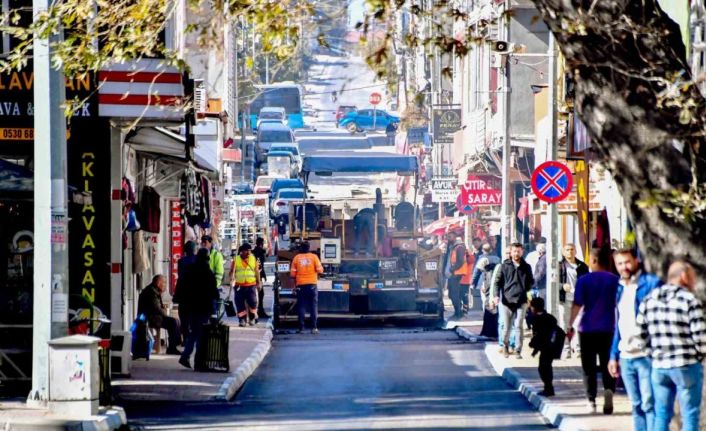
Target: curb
(107, 419)
(237, 379)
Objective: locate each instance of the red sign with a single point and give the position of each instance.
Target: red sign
(481, 190)
(552, 181)
(177, 245)
(375, 98)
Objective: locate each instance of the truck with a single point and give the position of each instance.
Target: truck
(395, 279)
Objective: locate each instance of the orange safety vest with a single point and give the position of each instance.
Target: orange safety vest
(463, 270)
(470, 261)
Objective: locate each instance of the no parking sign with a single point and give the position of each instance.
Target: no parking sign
(552, 181)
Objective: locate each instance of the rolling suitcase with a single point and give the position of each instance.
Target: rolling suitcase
(212, 348)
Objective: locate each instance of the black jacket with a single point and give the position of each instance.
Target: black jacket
(543, 326)
(261, 256)
(514, 283)
(150, 303)
(199, 290)
(581, 270)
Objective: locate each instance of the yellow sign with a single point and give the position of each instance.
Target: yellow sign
(16, 134)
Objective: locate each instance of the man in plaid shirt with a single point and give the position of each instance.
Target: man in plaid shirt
(672, 325)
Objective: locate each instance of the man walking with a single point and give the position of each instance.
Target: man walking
(673, 328)
(596, 293)
(246, 276)
(570, 269)
(215, 258)
(514, 281)
(483, 272)
(540, 273)
(458, 268)
(628, 355)
(305, 269)
(261, 256)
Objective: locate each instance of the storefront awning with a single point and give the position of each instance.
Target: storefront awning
(163, 142)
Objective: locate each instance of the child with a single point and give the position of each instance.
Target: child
(543, 332)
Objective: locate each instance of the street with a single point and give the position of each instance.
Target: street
(356, 379)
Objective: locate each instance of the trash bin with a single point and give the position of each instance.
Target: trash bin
(74, 375)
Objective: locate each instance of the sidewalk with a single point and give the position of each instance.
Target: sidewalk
(568, 409)
(16, 415)
(162, 378)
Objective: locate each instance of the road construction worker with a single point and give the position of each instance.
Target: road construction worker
(246, 279)
(215, 258)
(458, 268)
(305, 269)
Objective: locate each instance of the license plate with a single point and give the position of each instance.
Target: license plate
(431, 266)
(283, 267)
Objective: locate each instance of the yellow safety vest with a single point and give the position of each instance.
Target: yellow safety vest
(245, 271)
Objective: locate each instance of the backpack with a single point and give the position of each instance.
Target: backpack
(557, 341)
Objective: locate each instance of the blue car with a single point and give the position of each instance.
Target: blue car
(362, 119)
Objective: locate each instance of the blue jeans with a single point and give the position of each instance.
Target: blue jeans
(636, 375)
(684, 383)
(501, 328)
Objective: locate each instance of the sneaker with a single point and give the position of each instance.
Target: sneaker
(315, 331)
(185, 362)
(607, 402)
(506, 353)
(242, 323)
(518, 355)
(568, 354)
(592, 409)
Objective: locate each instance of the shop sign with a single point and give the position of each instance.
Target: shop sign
(481, 190)
(177, 243)
(445, 121)
(582, 204)
(444, 189)
(415, 135)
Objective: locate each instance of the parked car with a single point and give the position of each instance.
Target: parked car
(242, 188)
(263, 184)
(294, 150)
(268, 134)
(367, 119)
(281, 164)
(343, 110)
(283, 183)
(271, 114)
(280, 203)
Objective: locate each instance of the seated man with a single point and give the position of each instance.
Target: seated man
(150, 303)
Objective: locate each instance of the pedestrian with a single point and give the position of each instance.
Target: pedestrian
(628, 355)
(466, 294)
(215, 258)
(305, 269)
(673, 329)
(184, 263)
(390, 131)
(514, 281)
(261, 256)
(544, 326)
(458, 268)
(200, 292)
(595, 294)
(533, 257)
(482, 278)
(246, 279)
(496, 305)
(151, 305)
(540, 272)
(570, 269)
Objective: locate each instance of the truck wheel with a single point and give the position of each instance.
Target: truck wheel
(275, 308)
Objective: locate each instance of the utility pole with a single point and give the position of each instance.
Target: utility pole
(506, 207)
(51, 283)
(553, 246)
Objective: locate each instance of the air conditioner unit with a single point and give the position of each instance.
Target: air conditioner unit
(200, 97)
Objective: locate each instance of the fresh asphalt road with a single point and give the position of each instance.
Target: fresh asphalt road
(360, 379)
